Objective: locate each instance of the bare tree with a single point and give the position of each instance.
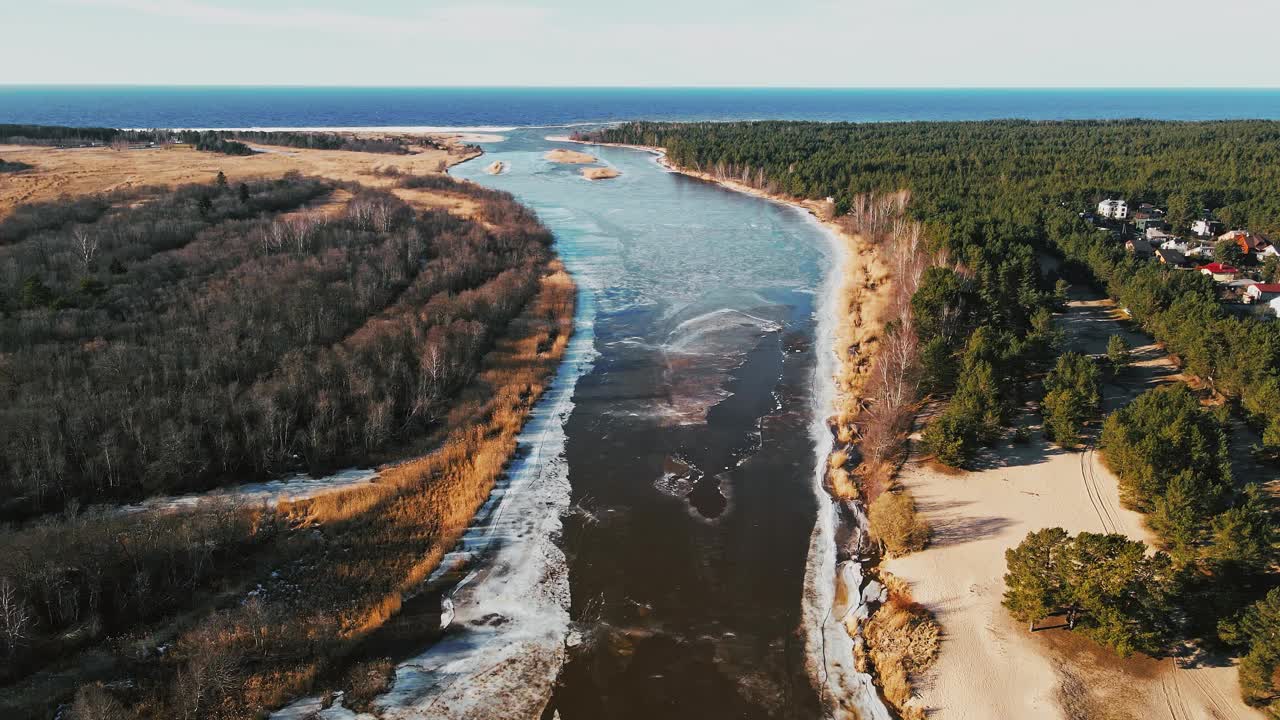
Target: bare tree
(93, 702)
(86, 245)
(15, 617)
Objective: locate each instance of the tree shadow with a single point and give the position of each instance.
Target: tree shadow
(961, 530)
(1007, 453)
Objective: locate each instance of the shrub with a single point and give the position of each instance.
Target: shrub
(951, 438)
(896, 524)
(903, 639)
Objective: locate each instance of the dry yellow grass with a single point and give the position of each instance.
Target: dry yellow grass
(903, 640)
(85, 171)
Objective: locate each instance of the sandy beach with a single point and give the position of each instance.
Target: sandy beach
(990, 666)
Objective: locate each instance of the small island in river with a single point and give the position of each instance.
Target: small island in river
(571, 157)
(600, 173)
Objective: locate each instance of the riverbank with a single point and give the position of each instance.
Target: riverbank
(840, 590)
(991, 666)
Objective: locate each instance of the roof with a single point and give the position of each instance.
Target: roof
(1218, 268)
(1169, 255)
(1267, 287)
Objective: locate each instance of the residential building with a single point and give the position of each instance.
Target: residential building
(1262, 292)
(1220, 272)
(1114, 209)
(1202, 252)
(1175, 243)
(1139, 247)
(1275, 305)
(1171, 257)
(1249, 242)
(1206, 228)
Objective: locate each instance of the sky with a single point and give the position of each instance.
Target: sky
(722, 43)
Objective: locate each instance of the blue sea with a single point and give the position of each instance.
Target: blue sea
(213, 107)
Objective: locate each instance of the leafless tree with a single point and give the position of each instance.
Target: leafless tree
(86, 245)
(15, 617)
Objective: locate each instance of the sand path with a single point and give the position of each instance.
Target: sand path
(991, 666)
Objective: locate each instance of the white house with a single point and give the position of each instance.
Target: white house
(1205, 228)
(1174, 243)
(1204, 252)
(1275, 306)
(1113, 209)
(1261, 292)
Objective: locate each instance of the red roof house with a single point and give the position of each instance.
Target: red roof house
(1220, 272)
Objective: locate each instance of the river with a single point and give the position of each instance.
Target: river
(689, 458)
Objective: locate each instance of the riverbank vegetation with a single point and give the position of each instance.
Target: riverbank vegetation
(996, 197)
(170, 340)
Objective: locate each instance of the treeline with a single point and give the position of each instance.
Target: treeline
(323, 141)
(59, 135)
(211, 141)
(213, 334)
(230, 142)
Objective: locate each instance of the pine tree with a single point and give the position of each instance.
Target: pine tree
(1118, 353)
(1034, 584)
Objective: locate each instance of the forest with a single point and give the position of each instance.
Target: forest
(161, 340)
(994, 197)
(166, 341)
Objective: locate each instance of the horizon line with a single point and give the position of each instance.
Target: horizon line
(903, 88)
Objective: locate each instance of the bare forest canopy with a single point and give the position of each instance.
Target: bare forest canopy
(171, 340)
(231, 142)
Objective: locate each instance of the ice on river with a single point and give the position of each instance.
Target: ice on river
(269, 493)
